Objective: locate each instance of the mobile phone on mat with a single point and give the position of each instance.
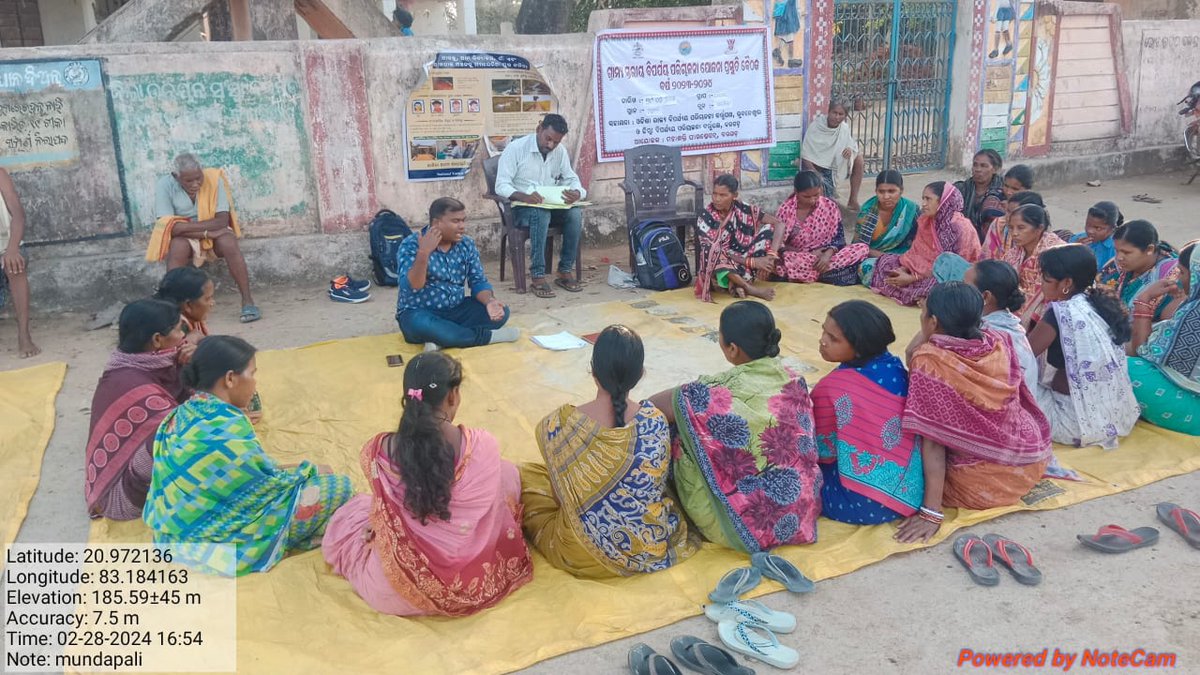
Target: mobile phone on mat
(395, 360)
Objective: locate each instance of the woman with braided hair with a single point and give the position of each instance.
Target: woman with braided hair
(600, 506)
(440, 533)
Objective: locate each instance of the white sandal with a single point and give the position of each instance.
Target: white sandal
(757, 643)
(752, 612)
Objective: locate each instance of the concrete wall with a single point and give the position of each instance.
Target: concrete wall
(1159, 9)
(1112, 84)
(1157, 54)
(310, 134)
(63, 21)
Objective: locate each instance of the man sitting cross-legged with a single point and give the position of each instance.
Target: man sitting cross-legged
(434, 265)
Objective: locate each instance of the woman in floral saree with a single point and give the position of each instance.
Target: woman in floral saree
(1081, 334)
(601, 506)
(745, 462)
(440, 533)
(984, 441)
(810, 240)
(213, 484)
(735, 241)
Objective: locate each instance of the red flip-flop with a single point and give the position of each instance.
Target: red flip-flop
(1184, 521)
(1116, 539)
(975, 555)
(1022, 567)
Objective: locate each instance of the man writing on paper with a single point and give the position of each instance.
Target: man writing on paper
(196, 223)
(434, 265)
(538, 161)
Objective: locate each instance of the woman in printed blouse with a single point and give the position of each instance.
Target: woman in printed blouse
(871, 466)
(601, 505)
(944, 247)
(983, 191)
(1141, 259)
(735, 242)
(1164, 363)
(810, 240)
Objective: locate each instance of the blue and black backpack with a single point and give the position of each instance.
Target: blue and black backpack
(660, 262)
(386, 231)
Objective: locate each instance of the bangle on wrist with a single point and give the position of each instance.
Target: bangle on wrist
(929, 515)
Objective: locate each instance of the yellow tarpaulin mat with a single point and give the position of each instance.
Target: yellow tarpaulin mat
(324, 401)
(26, 422)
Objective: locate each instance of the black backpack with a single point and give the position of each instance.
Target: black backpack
(386, 231)
(660, 261)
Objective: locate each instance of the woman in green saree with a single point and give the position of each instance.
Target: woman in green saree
(212, 483)
(887, 222)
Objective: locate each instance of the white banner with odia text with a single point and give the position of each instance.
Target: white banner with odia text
(702, 90)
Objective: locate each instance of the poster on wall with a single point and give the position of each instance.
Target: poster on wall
(468, 103)
(37, 125)
(702, 90)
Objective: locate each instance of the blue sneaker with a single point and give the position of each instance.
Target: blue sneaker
(356, 284)
(343, 292)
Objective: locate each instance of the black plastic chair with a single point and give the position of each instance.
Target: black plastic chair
(513, 238)
(653, 176)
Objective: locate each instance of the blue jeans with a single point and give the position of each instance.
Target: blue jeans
(464, 325)
(538, 222)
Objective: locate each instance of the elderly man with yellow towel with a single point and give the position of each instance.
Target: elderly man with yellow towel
(196, 223)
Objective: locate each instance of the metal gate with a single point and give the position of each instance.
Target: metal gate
(891, 67)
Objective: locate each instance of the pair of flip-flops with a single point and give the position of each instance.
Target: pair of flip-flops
(742, 580)
(749, 628)
(979, 557)
(694, 653)
(1116, 539)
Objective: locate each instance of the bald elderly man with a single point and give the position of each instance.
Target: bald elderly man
(196, 223)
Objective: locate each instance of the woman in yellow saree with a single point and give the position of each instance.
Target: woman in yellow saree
(600, 505)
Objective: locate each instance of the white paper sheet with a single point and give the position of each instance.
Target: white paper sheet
(559, 341)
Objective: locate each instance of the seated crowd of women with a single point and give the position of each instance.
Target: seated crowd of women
(444, 528)
(746, 459)
(1116, 272)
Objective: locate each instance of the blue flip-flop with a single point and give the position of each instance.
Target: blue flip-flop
(250, 313)
(705, 657)
(643, 660)
(735, 583)
(781, 570)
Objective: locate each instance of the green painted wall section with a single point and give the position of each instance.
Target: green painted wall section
(252, 125)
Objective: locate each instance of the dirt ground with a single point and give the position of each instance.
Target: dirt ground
(910, 613)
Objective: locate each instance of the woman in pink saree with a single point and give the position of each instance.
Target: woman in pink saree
(440, 533)
(941, 229)
(810, 239)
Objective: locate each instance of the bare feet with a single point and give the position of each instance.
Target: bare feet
(26, 348)
(762, 292)
(737, 292)
(854, 206)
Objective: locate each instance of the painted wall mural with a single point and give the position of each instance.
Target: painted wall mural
(1017, 77)
(1021, 79)
(1040, 81)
